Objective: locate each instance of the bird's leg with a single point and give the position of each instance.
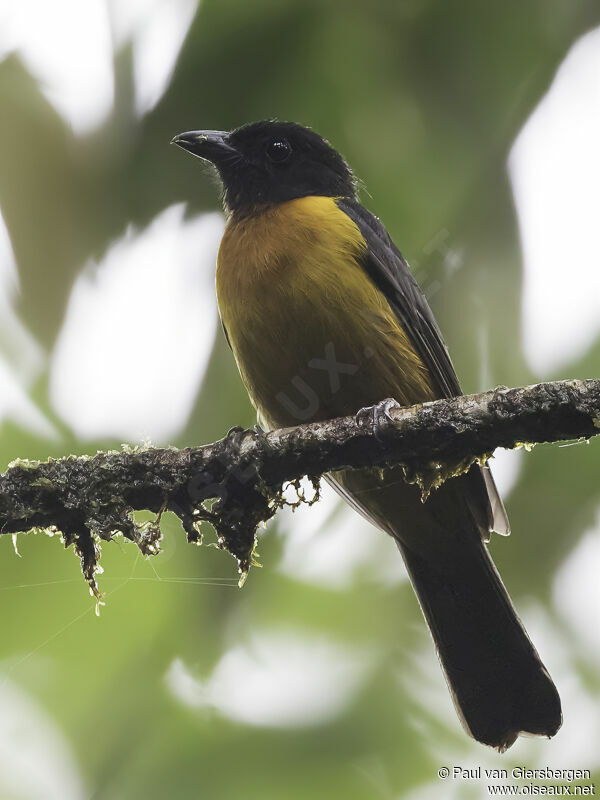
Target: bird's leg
(377, 416)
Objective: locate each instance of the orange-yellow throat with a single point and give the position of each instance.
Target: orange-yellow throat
(311, 334)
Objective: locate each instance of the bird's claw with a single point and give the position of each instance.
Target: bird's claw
(377, 416)
(235, 435)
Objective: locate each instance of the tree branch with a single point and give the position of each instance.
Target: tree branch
(88, 499)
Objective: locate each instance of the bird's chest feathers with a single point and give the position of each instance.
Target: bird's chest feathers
(286, 250)
(300, 311)
(279, 275)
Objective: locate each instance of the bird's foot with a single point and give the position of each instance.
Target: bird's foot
(235, 435)
(377, 416)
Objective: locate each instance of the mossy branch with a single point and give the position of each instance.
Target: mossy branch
(236, 483)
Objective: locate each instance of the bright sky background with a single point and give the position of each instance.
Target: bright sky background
(281, 679)
(138, 332)
(554, 168)
(68, 34)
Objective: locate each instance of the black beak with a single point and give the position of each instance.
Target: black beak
(210, 145)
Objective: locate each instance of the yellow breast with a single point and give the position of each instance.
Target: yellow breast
(312, 335)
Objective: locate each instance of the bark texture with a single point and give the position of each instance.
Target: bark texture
(236, 482)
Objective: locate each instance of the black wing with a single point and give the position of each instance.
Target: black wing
(226, 334)
(388, 270)
(391, 274)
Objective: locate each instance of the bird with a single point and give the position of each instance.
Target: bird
(325, 319)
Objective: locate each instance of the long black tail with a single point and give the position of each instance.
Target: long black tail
(499, 684)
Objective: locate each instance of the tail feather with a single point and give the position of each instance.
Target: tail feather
(499, 685)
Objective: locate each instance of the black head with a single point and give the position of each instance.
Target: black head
(265, 163)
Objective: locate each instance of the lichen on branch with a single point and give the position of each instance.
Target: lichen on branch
(237, 483)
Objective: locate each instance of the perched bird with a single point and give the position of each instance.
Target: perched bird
(324, 318)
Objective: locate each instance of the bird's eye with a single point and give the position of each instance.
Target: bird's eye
(279, 150)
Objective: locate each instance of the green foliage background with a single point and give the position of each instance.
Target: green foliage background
(424, 98)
